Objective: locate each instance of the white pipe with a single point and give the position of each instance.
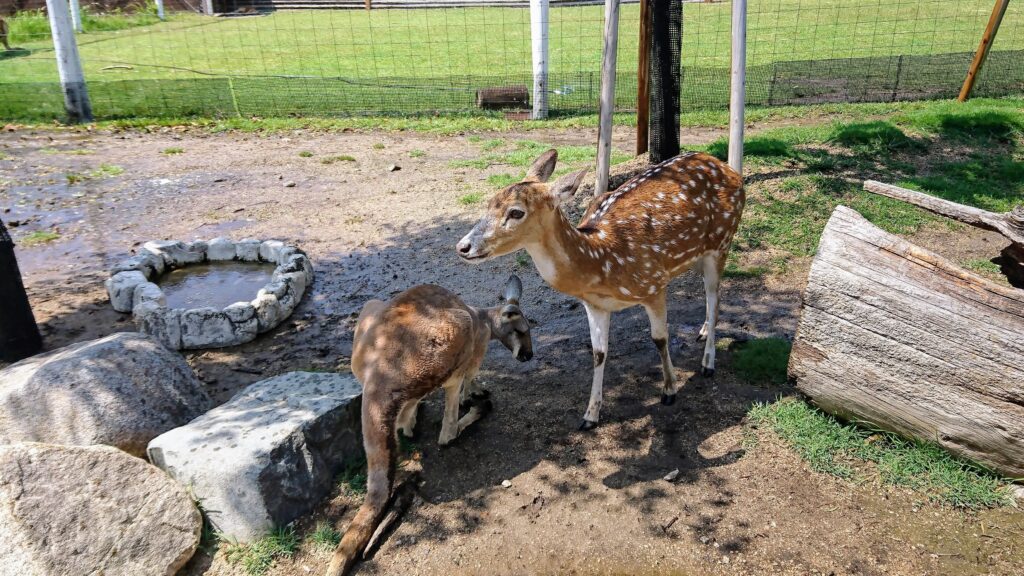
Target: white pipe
(539, 37)
(208, 7)
(604, 137)
(76, 15)
(737, 99)
(160, 9)
(69, 66)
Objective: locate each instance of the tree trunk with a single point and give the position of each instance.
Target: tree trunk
(19, 335)
(897, 336)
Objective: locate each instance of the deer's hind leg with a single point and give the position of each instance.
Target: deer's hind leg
(712, 265)
(452, 425)
(657, 313)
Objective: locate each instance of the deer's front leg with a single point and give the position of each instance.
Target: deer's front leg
(599, 321)
(450, 420)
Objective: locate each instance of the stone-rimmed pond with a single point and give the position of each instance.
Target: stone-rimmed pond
(210, 294)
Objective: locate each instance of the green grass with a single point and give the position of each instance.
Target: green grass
(522, 153)
(173, 151)
(762, 361)
(417, 154)
(256, 558)
(472, 198)
(305, 154)
(324, 536)
(502, 180)
(352, 480)
(842, 450)
(338, 158)
(39, 237)
(984, 266)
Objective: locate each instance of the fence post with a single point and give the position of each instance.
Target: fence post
(208, 7)
(160, 9)
(983, 48)
(737, 99)
(604, 137)
(643, 80)
(76, 15)
(539, 37)
(69, 66)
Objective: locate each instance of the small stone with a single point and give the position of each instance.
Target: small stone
(220, 249)
(506, 484)
(394, 168)
(725, 559)
(671, 476)
(148, 292)
(248, 250)
(121, 289)
(289, 184)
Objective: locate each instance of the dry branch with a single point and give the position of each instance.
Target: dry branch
(897, 336)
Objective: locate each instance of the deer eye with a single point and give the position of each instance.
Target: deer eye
(516, 214)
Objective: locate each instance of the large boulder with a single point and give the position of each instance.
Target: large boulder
(91, 510)
(122, 390)
(268, 455)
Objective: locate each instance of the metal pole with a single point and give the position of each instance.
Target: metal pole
(160, 9)
(604, 137)
(539, 36)
(737, 100)
(983, 48)
(208, 7)
(643, 81)
(69, 66)
(76, 15)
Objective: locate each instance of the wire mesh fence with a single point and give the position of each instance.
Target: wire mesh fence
(334, 57)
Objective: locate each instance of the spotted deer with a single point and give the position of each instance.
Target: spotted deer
(4, 30)
(630, 243)
(422, 339)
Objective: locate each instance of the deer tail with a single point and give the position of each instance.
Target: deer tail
(380, 443)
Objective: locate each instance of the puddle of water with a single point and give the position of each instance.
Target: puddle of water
(216, 285)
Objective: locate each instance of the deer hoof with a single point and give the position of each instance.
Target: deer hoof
(587, 425)
(668, 399)
(480, 394)
(485, 406)
(707, 372)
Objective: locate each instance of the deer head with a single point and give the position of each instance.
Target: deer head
(519, 213)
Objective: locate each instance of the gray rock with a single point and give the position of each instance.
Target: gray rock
(122, 390)
(212, 328)
(248, 250)
(160, 322)
(268, 455)
(275, 287)
(286, 253)
(149, 264)
(176, 253)
(268, 312)
(91, 510)
(240, 312)
(270, 250)
(220, 249)
(121, 289)
(148, 292)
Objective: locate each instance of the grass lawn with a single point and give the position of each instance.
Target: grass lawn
(401, 61)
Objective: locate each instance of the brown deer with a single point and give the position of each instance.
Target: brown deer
(4, 30)
(422, 339)
(629, 245)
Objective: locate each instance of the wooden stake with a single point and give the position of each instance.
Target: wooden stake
(643, 81)
(69, 66)
(737, 99)
(604, 138)
(983, 48)
(76, 15)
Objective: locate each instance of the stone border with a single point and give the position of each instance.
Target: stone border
(131, 289)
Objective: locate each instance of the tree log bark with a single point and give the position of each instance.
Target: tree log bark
(897, 336)
(19, 334)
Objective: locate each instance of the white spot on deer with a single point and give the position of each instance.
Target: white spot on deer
(601, 234)
(607, 267)
(652, 289)
(625, 291)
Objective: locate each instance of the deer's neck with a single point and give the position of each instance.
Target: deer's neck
(563, 255)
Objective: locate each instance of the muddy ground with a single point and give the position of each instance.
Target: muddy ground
(579, 503)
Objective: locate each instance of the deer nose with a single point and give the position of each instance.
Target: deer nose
(463, 246)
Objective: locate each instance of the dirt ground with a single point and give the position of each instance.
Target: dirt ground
(579, 503)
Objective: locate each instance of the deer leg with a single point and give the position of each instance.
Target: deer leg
(599, 321)
(450, 420)
(712, 264)
(657, 313)
(471, 390)
(407, 418)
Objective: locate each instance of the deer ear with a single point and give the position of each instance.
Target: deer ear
(567, 185)
(543, 166)
(513, 289)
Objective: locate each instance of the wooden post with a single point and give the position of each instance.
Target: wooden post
(19, 335)
(76, 15)
(160, 10)
(539, 38)
(737, 99)
(983, 48)
(208, 7)
(604, 137)
(643, 81)
(69, 66)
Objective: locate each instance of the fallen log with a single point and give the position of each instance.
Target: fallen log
(899, 337)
